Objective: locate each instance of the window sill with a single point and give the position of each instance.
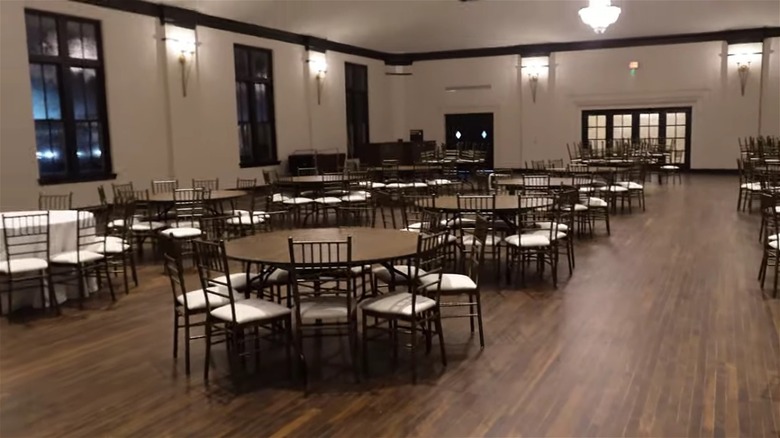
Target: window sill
(47, 181)
(260, 164)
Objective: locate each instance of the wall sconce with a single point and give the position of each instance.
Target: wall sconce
(743, 54)
(318, 65)
(534, 67)
(183, 44)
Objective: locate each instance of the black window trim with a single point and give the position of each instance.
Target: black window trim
(272, 109)
(688, 110)
(348, 92)
(66, 102)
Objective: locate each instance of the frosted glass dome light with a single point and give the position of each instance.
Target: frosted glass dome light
(599, 14)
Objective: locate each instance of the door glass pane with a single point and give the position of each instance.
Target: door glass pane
(592, 121)
(654, 118)
(643, 132)
(680, 131)
(591, 134)
(601, 133)
(626, 132)
(670, 119)
(670, 130)
(644, 119)
(681, 118)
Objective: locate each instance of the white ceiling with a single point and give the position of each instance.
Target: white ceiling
(432, 25)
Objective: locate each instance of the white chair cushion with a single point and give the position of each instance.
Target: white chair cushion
(28, 264)
(440, 182)
(297, 201)
(670, 167)
(617, 189)
(577, 207)
(546, 233)
(548, 225)
(774, 244)
(399, 275)
(327, 200)
(253, 309)
(72, 257)
(597, 202)
(182, 232)
(490, 240)
(630, 185)
(239, 213)
(399, 303)
(196, 299)
(245, 220)
(354, 198)
(528, 240)
(454, 282)
(237, 280)
(278, 197)
(397, 185)
(414, 227)
(751, 186)
(278, 276)
(147, 226)
(328, 308)
(774, 237)
(458, 222)
(586, 189)
(417, 184)
(113, 245)
(356, 270)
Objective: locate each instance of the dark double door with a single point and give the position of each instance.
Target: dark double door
(472, 131)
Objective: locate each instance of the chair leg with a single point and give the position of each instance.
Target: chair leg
(207, 360)
(440, 332)
(108, 279)
(52, 294)
(175, 335)
(414, 351)
(124, 273)
(479, 319)
(365, 345)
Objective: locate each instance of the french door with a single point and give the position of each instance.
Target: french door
(668, 128)
(470, 131)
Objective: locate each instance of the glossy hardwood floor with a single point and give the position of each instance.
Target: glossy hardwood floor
(662, 331)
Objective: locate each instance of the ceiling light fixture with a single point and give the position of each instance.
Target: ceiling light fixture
(599, 14)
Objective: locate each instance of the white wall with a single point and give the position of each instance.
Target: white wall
(698, 75)
(770, 98)
(155, 131)
(135, 99)
(427, 101)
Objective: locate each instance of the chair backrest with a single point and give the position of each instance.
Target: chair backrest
(534, 209)
(211, 261)
(25, 235)
(413, 207)
(164, 186)
(87, 237)
(214, 228)
(385, 205)
(536, 183)
(190, 205)
(174, 269)
(102, 196)
(430, 259)
(55, 202)
(476, 255)
(319, 269)
(246, 183)
(121, 216)
(557, 164)
(581, 180)
(208, 184)
(120, 189)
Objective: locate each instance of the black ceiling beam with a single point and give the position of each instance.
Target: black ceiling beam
(189, 18)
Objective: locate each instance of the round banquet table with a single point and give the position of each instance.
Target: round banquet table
(62, 238)
(216, 196)
(369, 245)
(504, 203)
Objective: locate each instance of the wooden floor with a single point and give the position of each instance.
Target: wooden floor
(662, 331)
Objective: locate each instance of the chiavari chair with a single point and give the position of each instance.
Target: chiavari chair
(117, 242)
(26, 257)
(530, 245)
(164, 185)
(207, 184)
(412, 310)
(55, 202)
(470, 209)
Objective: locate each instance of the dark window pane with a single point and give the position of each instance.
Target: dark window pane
(242, 102)
(89, 41)
(50, 46)
(242, 66)
(52, 85)
(261, 103)
(260, 67)
(50, 141)
(90, 92)
(77, 89)
(75, 47)
(38, 92)
(33, 23)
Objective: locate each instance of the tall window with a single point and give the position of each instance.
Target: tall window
(356, 87)
(255, 103)
(669, 128)
(68, 98)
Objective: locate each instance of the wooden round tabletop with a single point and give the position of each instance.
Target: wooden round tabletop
(369, 245)
(518, 182)
(313, 179)
(216, 196)
(503, 203)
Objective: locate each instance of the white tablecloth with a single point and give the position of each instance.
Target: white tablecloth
(62, 237)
